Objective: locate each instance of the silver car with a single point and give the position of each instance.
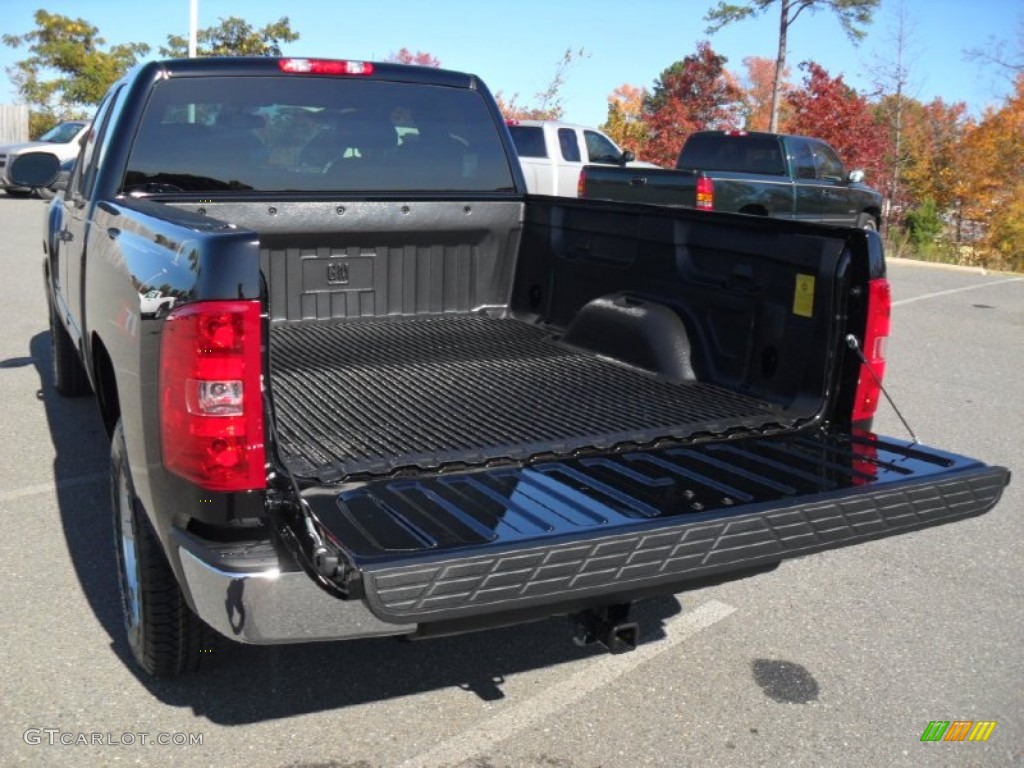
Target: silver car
(63, 140)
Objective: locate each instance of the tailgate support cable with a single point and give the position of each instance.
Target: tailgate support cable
(326, 563)
(852, 343)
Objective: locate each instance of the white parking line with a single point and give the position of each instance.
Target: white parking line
(594, 674)
(956, 290)
(33, 490)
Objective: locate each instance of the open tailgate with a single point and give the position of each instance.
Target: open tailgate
(561, 531)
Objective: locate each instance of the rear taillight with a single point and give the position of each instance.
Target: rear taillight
(325, 67)
(705, 193)
(211, 404)
(581, 184)
(876, 334)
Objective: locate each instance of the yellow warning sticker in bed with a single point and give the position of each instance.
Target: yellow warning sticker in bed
(803, 296)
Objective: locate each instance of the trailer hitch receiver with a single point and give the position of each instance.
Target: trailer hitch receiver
(608, 626)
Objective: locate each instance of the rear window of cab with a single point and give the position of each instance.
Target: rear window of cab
(322, 134)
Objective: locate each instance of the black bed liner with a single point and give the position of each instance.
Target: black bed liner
(354, 397)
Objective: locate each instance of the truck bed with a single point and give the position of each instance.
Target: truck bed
(354, 397)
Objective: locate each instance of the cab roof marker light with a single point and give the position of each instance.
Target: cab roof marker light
(325, 67)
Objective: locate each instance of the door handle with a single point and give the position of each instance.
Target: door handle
(638, 181)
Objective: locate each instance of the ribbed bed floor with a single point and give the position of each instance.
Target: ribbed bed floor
(371, 396)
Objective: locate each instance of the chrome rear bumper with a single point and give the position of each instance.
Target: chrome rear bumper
(270, 606)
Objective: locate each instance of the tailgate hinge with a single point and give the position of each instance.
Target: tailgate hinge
(301, 531)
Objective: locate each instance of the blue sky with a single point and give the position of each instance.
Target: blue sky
(514, 46)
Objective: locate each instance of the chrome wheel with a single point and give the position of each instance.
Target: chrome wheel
(163, 634)
(129, 562)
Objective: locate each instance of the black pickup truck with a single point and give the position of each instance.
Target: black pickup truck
(388, 393)
(763, 174)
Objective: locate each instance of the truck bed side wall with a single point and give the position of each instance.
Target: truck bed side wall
(732, 280)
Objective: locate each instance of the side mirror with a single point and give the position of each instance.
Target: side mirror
(34, 169)
(61, 182)
(856, 177)
(627, 156)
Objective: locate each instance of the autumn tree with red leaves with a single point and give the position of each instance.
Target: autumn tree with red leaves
(420, 58)
(853, 15)
(829, 109)
(758, 86)
(694, 94)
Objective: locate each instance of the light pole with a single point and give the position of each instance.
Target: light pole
(193, 27)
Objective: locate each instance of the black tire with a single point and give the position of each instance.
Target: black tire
(164, 635)
(867, 221)
(69, 377)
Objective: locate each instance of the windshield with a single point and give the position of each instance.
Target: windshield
(325, 134)
(62, 134)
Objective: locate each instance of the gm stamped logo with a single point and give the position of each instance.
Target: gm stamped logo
(337, 273)
(958, 730)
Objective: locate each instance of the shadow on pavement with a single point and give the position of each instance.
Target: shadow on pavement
(245, 684)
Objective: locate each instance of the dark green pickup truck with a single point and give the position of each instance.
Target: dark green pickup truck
(766, 174)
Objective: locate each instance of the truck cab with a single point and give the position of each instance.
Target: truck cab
(552, 154)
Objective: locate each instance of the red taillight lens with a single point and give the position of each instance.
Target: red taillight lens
(876, 333)
(705, 193)
(211, 403)
(325, 67)
(581, 184)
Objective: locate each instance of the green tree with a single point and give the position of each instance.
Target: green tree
(234, 37)
(85, 68)
(924, 226)
(853, 15)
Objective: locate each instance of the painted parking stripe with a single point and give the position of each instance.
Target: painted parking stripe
(935, 295)
(34, 490)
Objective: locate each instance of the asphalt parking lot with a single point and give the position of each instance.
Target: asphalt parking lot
(837, 659)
